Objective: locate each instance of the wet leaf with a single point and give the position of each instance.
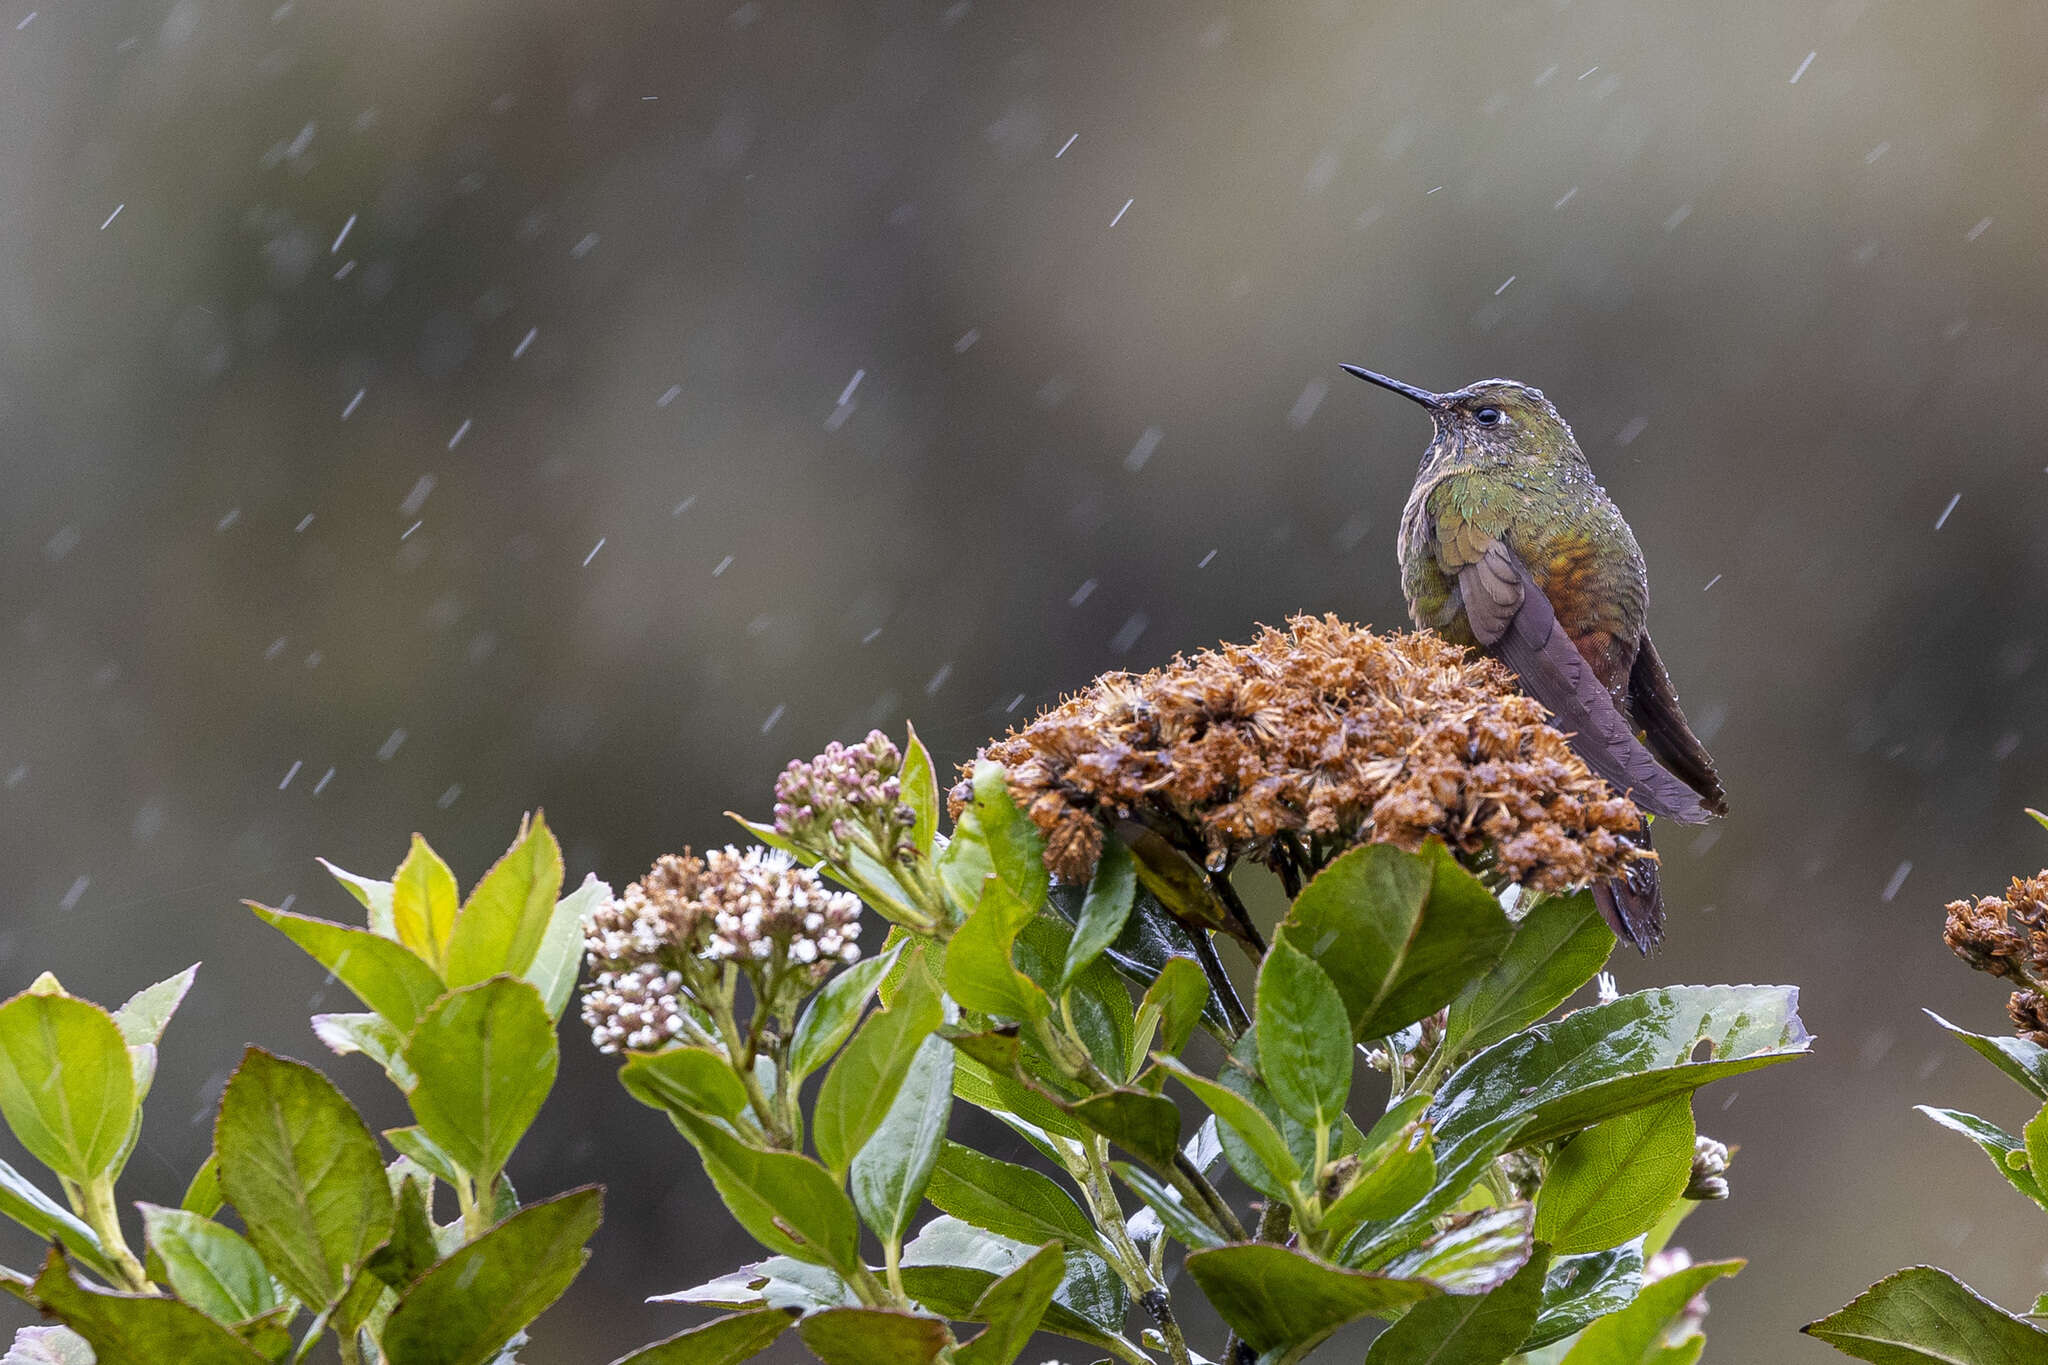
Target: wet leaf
(1104, 911)
(1637, 1335)
(874, 1336)
(863, 1083)
(1009, 1200)
(1557, 947)
(137, 1327)
(1928, 1315)
(721, 1341)
(1278, 1298)
(834, 1011)
(209, 1266)
(1579, 1289)
(1305, 1051)
(1012, 1308)
(1466, 1329)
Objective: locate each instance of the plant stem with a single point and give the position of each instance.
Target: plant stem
(1227, 894)
(1219, 982)
(351, 1352)
(1129, 1263)
(476, 1218)
(105, 1221)
(892, 1266)
(1195, 1186)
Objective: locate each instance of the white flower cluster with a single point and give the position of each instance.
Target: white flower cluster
(760, 900)
(640, 1009)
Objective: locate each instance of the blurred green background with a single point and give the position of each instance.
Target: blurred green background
(413, 413)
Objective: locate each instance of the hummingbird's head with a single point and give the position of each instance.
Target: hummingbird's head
(1495, 421)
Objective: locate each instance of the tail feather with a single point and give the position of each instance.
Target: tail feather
(1633, 904)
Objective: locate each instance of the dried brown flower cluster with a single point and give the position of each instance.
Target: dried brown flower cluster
(1310, 739)
(2007, 936)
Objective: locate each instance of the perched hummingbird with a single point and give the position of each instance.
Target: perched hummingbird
(1509, 545)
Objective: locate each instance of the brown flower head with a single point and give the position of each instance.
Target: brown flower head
(1308, 740)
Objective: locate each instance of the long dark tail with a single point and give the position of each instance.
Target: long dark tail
(1633, 905)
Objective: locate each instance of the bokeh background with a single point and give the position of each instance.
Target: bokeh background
(413, 413)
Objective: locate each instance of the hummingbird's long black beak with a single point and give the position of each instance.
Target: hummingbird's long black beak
(1422, 396)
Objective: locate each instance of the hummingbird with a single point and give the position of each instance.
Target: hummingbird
(1508, 545)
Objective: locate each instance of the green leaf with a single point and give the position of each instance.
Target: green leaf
(1304, 1037)
(889, 1175)
(1582, 1288)
(694, 1079)
(143, 1019)
(47, 1219)
(373, 1036)
(1011, 1201)
(863, 1083)
(1012, 1308)
(303, 1172)
(1000, 1092)
(874, 1336)
(374, 895)
(964, 865)
(559, 958)
(2036, 1136)
(721, 1341)
(1244, 1119)
(209, 1266)
(1466, 1329)
(136, 1327)
(1097, 1004)
(1279, 1298)
(1142, 1123)
(1394, 1174)
(1172, 1006)
(424, 903)
(1104, 911)
(1165, 1201)
(66, 1086)
(415, 1144)
(1476, 1253)
(2019, 1058)
(412, 1249)
(834, 1011)
(920, 783)
(1557, 947)
(1636, 1334)
(383, 975)
(485, 1057)
(2007, 1153)
(202, 1194)
(500, 928)
(980, 975)
(1399, 933)
(788, 1202)
(464, 1310)
(781, 1282)
(1608, 1059)
(952, 1264)
(1016, 850)
(1613, 1182)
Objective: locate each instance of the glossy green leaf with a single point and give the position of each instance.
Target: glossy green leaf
(1925, 1315)
(1475, 1253)
(500, 928)
(1243, 1118)
(874, 1336)
(303, 1172)
(1009, 1200)
(1012, 1308)
(1165, 1201)
(1636, 1334)
(1305, 1051)
(950, 1266)
(1170, 1011)
(1466, 1329)
(373, 1036)
(208, 1265)
(485, 1057)
(980, 973)
(1016, 850)
(1276, 1297)
(27, 1205)
(559, 958)
(1142, 1123)
(126, 1328)
(997, 1089)
(2007, 1153)
(1104, 911)
(412, 1250)
(964, 865)
(374, 895)
(781, 1282)
(2035, 1134)
(1150, 939)
(1399, 933)
(143, 1018)
(1608, 1059)
(721, 1341)
(834, 1012)
(1613, 1181)
(1579, 1289)
(1557, 947)
(66, 1085)
(2023, 1060)
(694, 1079)
(920, 783)
(1393, 1175)
(788, 1202)
(383, 974)
(863, 1083)
(1096, 1006)
(424, 903)
(464, 1310)
(890, 1173)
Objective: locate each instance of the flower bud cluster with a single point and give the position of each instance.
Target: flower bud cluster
(664, 950)
(847, 796)
(1709, 1179)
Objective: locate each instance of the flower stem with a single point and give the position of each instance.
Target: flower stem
(105, 1221)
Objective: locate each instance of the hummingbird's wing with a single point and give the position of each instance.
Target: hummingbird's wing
(1512, 618)
(1653, 704)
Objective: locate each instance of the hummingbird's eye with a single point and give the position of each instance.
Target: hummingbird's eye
(1487, 417)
